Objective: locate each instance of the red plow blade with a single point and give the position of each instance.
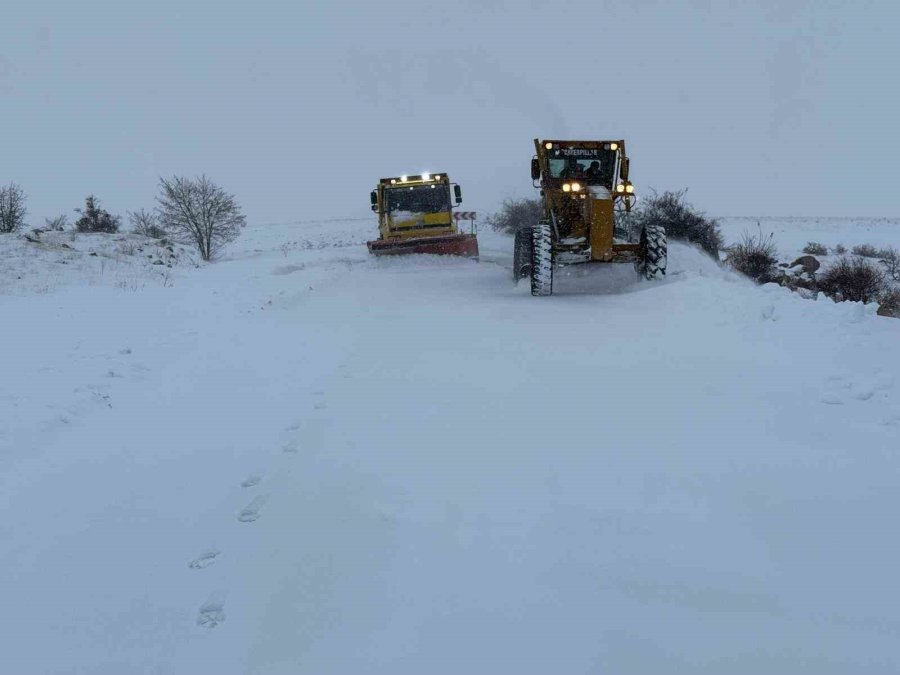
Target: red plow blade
(465, 245)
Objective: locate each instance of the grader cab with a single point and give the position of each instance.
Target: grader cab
(586, 192)
(415, 215)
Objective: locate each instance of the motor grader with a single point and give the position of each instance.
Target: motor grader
(415, 215)
(584, 187)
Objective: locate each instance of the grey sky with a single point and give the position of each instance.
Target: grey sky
(783, 108)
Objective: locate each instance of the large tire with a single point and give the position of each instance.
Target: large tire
(522, 254)
(542, 260)
(653, 252)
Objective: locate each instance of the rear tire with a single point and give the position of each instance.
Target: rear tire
(653, 252)
(542, 260)
(522, 254)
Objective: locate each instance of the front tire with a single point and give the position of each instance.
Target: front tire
(542, 260)
(653, 252)
(522, 254)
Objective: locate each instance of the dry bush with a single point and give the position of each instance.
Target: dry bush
(754, 256)
(681, 220)
(815, 248)
(855, 279)
(890, 258)
(57, 224)
(865, 251)
(889, 303)
(146, 223)
(516, 213)
(840, 249)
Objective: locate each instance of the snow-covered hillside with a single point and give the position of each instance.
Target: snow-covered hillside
(301, 459)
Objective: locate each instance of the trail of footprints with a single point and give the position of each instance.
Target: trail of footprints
(212, 612)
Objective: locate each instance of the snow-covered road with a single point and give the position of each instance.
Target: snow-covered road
(304, 460)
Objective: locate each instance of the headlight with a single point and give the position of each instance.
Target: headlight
(576, 187)
(629, 189)
(402, 179)
(426, 176)
(613, 146)
(620, 188)
(566, 187)
(548, 145)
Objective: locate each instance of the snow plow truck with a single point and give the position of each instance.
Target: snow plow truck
(586, 192)
(415, 215)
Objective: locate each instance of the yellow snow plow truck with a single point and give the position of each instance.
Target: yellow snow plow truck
(415, 215)
(586, 193)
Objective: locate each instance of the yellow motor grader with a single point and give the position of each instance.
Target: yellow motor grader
(415, 215)
(584, 184)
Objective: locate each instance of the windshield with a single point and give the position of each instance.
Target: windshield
(593, 166)
(419, 199)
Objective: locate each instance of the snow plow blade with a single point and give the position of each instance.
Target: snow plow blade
(465, 245)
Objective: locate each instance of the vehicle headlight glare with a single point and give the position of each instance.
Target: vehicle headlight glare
(629, 189)
(566, 187)
(576, 187)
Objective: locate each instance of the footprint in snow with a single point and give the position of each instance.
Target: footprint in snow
(204, 560)
(211, 613)
(840, 388)
(292, 447)
(251, 480)
(250, 512)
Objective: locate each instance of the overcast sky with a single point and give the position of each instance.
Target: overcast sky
(759, 108)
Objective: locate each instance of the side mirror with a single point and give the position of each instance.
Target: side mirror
(373, 197)
(535, 169)
(457, 192)
(374, 207)
(623, 169)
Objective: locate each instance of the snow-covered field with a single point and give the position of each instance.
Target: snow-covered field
(304, 460)
(792, 234)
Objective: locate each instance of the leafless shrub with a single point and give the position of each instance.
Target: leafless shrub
(516, 213)
(889, 303)
(890, 258)
(815, 248)
(12, 208)
(681, 220)
(754, 256)
(855, 279)
(57, 224)
(840, 249)
(199, 212)
(95, 219)
(146, 223)
(865, 251)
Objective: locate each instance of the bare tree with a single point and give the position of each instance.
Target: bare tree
(12, 208)
(198, 211)
(146, 223)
